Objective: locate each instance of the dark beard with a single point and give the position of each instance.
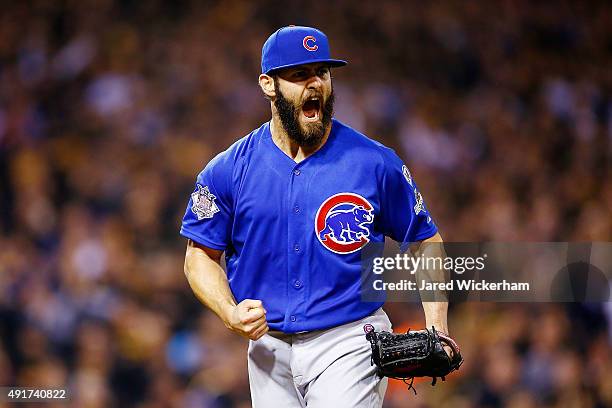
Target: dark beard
(290, 118)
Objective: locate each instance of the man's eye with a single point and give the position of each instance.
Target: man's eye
(299, 74)
(323, 72)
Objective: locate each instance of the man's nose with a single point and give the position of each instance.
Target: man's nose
(314, 82)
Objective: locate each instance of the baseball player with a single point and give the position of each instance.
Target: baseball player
(291, 205)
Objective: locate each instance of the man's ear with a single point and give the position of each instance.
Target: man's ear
(266, 83)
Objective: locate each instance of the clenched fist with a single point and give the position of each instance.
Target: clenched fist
(248, 319)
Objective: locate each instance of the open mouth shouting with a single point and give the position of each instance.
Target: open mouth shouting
(311, 109)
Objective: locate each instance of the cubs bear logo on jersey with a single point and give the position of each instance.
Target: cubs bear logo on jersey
(342, 222)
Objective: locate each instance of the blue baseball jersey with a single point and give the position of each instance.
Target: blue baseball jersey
(293, 232)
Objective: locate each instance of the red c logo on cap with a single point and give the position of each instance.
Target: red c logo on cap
(307, 39)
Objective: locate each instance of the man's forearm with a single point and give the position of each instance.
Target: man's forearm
(435, 315)
(435, 302)
(208, 282)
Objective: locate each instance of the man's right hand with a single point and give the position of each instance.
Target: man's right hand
(248, 319)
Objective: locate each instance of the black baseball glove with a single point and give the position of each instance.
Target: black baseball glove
(413, 354)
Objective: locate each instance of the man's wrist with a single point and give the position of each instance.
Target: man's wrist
(227, 309)
(441, 327)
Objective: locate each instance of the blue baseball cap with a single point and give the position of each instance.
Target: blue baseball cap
(296, 45)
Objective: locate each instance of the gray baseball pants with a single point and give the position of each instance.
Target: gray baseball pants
(318, 369)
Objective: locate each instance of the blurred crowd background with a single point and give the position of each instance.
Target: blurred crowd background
(109, 109)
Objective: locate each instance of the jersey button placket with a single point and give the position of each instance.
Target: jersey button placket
(295, 236)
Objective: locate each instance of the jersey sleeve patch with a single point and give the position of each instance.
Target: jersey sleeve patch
(418, 206)
(407, 175)
(203, 203)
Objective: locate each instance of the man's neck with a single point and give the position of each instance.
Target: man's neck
(296, 152)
